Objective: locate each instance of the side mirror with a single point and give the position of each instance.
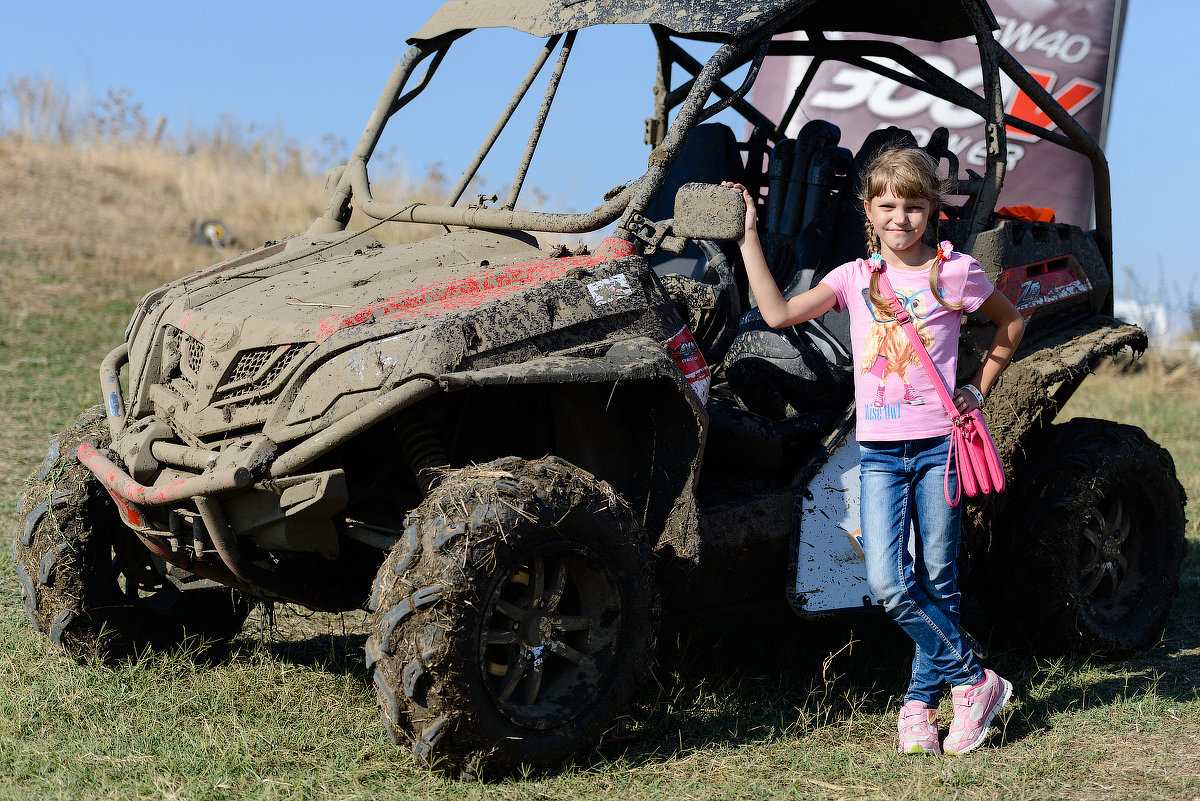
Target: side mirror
(709, 211)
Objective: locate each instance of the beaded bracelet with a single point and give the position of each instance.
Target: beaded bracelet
(974, 391)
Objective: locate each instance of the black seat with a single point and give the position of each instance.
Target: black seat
(709, 155)
(807, 369)
(701, 280)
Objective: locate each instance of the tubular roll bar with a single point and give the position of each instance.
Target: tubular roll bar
(690, 98)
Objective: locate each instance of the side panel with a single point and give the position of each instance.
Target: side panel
(829, 574)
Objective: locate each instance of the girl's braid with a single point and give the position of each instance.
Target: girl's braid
(872, 238)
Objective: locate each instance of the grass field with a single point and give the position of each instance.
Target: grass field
(765, 708)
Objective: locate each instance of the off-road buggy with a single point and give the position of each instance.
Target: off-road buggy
(504, 449)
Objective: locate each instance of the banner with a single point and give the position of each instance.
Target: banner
(1068, 46)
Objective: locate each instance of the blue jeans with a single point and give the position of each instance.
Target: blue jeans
(901, 486)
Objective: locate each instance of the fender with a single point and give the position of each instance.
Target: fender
(679, 426)
(1046, 373)
(636, 359)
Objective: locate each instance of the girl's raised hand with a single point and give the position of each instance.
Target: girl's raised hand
(751, 211)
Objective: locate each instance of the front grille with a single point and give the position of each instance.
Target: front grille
(249, 363)
(192, 352)
(242, 379)
(260, 387)
(183, 356)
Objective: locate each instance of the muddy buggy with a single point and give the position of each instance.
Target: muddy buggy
(520, 456)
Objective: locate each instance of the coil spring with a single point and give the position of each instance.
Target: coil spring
(424, 451)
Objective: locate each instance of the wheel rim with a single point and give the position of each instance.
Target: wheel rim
(551, 628)
(1109, 549)
(131, 593)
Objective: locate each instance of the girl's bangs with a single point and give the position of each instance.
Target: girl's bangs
(903, 182)
(908, 173)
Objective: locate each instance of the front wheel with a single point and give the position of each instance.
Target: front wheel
(514, 620)
(1090, 559)
(87, 581)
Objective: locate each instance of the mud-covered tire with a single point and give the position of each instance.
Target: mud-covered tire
(514, 620)
(86, 580)
(1089, 557)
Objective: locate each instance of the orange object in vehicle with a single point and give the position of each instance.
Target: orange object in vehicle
(1031, 213)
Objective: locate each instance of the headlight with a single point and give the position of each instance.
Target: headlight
(365, 368)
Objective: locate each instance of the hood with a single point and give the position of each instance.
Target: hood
(286, 343)
(311, 295)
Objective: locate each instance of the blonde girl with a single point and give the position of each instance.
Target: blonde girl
(903, 441)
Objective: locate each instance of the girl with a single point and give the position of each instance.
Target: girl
(904, 442)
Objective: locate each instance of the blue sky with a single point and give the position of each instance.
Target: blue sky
(312, 69)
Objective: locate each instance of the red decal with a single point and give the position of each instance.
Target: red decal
(1044, 283)
(164, 494)
(184, 319)
(473, 290)
(683, 349)
(1075, 95)
(129, 513)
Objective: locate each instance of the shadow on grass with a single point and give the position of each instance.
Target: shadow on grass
(751, 678)
(757, 676)
(335, 653)
(315, 641)
(736, 679)
(1170, 672)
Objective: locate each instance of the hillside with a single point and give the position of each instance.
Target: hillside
(116, 219)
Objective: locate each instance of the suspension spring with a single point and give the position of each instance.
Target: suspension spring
(424, 451)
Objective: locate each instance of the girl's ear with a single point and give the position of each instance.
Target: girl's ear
(867, 209)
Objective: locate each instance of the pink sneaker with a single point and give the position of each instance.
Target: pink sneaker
(918, 729)
(974, 708)
(911, 397)
(879, 397)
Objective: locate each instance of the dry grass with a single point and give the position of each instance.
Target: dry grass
(96, 194)
(121, 215)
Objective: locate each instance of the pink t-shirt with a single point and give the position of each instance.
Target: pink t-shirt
(895, 399)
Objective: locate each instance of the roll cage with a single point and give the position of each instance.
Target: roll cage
(741, 44)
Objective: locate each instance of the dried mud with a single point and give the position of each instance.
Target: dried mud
(434, 616)
(1026, 398)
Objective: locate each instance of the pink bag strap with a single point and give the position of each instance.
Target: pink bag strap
(939, 385)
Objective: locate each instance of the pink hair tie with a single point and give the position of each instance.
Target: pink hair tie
(945, 250)
(875, 263)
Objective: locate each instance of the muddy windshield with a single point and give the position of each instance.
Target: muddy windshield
(519, 133)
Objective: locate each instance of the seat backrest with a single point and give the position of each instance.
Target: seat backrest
(709, 155)
(850, 237)
(814, 137)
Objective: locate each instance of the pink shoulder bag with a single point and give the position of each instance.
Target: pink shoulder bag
(971, 445)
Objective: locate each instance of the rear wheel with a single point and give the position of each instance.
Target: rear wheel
(1095, 540)
(514, 620)
(88, 583)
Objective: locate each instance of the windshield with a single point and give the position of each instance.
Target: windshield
(458, 134)
(522, 130)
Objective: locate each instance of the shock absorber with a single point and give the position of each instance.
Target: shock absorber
(424, 451)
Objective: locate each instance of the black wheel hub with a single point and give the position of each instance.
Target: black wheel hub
(551, 628)
(1105, 549)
